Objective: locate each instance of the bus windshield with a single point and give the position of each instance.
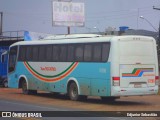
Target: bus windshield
(12, 58)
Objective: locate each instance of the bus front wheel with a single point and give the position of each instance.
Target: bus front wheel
(73, 91)
(25, 89)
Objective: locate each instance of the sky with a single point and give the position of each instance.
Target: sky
(36, 15)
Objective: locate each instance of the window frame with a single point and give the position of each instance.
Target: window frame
(69, 52)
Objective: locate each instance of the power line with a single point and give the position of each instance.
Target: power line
(117, 11)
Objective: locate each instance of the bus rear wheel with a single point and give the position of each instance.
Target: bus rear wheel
(73, 93)
(25, 89)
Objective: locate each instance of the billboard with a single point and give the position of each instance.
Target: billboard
(68, 14)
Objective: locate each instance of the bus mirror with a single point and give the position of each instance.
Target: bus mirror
(3, 56)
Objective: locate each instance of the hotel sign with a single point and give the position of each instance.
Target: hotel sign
(68, 14)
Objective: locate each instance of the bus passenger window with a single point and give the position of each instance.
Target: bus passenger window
(97, 53)
(70, 56)
(29, 53)
(22, 53)
(49, 53)
(105, 52)
(63, 53)
(55, 53)
(35, 53)
(87, 52)
(42, 53)
(79, 53)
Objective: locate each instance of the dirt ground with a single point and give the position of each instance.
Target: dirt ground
(132, 103)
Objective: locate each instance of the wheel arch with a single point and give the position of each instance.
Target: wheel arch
(21, 79)
(70, 80)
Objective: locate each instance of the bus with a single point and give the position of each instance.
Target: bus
(6, 39)
(79, 66)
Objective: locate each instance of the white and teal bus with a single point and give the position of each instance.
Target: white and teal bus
(85, 65)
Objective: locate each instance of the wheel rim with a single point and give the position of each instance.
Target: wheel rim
(74, 92)
(24, 87)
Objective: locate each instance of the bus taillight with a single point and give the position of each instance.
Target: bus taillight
(157, 80)
(116, 81)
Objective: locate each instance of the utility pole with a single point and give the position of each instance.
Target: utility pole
(1, 23)
(69, 30)
(159, 27)
(159, 21)
(159, 35)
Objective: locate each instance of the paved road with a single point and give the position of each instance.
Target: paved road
(10, 106)
(14, 100)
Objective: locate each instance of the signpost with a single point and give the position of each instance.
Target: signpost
(68, 14)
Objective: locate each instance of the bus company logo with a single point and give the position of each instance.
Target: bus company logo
(137, 72)
(51, 78)
(48, 68)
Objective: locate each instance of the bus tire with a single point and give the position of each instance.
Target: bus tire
(73, 93)
(25, 90)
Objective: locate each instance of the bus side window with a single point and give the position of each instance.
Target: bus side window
(63, 53)
(55, 53)
(87, 52)
(49, 53)
(35, 53)
(22, 53)
(79, 53)
(42, 53)
(29, 54)
(105, 51)
(70, 56)
(97, 52)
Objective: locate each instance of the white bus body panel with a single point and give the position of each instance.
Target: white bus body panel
(134, 61)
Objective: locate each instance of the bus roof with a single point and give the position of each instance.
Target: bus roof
(71, 36)
(62, 39)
